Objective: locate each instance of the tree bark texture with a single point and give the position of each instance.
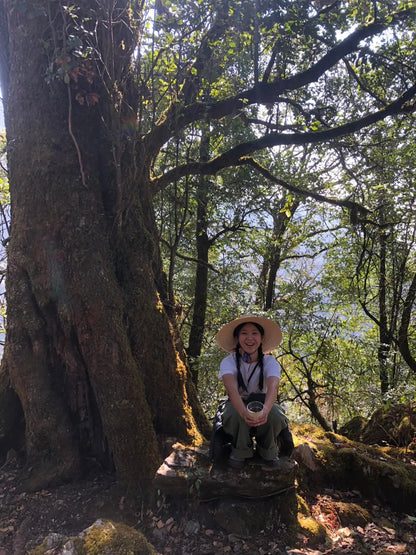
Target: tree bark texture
(90, 350)
(384, 331)
(203, 245)
(403, 338)
(274, 259)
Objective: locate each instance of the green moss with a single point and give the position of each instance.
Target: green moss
(375, 471)
(115, 538)
(386, 523)
(103, 538)
(394, 424)
(313, 530)
(351, 514)
(39, 550)
(303, 508)
(354, 428)
(406, 430)
(308, 433)
(372, 472)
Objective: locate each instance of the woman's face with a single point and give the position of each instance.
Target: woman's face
(250, 338)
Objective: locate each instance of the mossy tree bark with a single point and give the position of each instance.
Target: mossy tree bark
(90, 351)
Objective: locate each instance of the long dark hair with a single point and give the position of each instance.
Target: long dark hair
(260, 355)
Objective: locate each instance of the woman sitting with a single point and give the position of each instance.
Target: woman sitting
(247, 374)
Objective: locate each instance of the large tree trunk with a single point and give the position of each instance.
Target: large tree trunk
(90, 350)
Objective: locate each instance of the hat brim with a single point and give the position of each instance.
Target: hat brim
(271, 339)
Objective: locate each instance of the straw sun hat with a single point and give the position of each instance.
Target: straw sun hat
(271, 339)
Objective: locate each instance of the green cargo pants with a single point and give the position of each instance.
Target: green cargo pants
(242, 434)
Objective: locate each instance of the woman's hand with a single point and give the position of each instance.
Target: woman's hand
(271, 395)
(254, 419)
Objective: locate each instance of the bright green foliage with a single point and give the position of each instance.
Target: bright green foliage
(326, 293)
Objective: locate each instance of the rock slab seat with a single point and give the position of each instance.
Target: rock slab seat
(188, 471)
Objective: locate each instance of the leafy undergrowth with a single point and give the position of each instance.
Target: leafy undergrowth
(336, 512)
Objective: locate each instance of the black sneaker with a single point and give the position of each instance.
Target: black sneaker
(270, 464)
(236, 463)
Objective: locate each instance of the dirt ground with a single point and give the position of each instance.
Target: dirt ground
(27, 518)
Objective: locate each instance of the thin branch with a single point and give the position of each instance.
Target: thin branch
(235, 155)
(74, 140)
(369, 314)
(361, 84)
(305, 256)
(196, 261)
(346, 203)
(6, 220)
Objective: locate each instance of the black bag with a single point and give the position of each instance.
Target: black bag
(255, 397)
(285, 442)
(220, 443)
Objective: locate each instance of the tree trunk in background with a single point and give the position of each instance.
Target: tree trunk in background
(196, 334)
(90, 350)
(403, 339)
(273, 259)
(313, 405)
(384, 332)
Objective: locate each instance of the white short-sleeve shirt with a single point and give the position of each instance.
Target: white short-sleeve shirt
(270, 368)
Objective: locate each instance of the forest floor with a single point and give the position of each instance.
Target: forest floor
(27, 518)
